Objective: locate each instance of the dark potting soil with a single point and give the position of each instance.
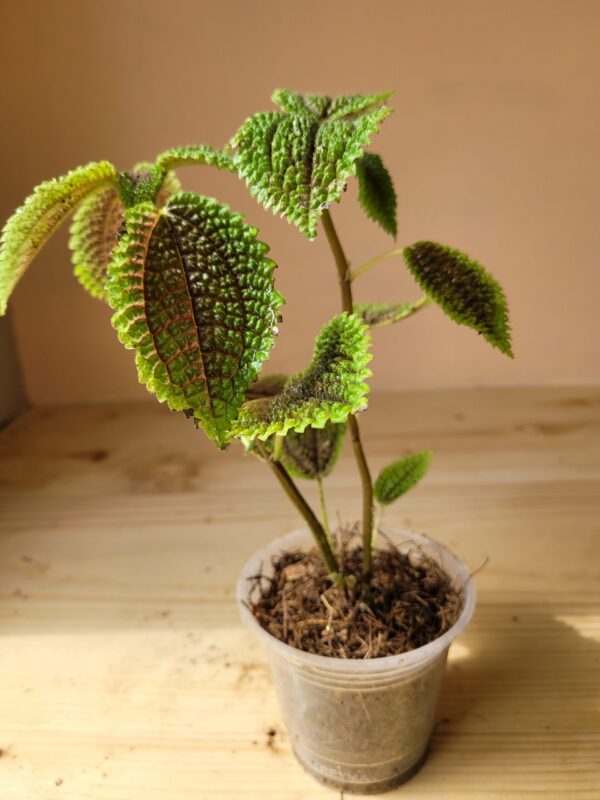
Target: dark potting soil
(408, 603)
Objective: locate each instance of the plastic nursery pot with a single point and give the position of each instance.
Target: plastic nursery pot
(360, 725)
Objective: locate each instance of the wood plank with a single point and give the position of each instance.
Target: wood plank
(125, 673)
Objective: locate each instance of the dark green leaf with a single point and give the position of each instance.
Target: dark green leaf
(397, 478)
(314, 452)
(329, 389)
(376, 192)
(193, 294)
(298, 161)
(463, 290)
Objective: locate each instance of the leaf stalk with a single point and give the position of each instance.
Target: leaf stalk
(355, 273)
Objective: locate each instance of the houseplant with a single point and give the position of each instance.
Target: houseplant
(193, 294)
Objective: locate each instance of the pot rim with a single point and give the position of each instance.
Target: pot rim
(363, 666)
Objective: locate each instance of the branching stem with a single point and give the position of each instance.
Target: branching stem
(344, 278)
(341, 262)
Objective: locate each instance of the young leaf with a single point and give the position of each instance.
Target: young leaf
(96, 225)
(298, 161)
(397, 478)
(294, 103)
(194, 154)
(376, 315)
(35, 221)
(314, 452)
(376, 192)
(192, 291)
(322, 106)
(329, 389)
(463, 290)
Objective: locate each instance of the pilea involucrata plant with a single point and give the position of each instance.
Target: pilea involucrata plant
(192, 290)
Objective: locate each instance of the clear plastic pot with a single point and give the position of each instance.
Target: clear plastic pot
(361, 725)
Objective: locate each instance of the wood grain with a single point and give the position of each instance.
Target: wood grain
(125, 673)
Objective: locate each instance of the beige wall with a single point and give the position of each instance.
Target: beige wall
(494, 149)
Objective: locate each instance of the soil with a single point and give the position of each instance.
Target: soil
(408, 603)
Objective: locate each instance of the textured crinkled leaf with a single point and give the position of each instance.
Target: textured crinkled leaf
(376, 192)
(329, 389)
(35, 221)
(350, 105)
(94, 231)
(376, 315)
(96, 226)
(321, 106)
(298, 161)
(192, 291)
(294, 103)
(141, 185)
(194, 154)
(170, 183)
(266, 386)
(397, 478)
(463, 290)
(314, 452)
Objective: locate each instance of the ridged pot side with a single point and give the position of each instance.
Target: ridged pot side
(359, 725)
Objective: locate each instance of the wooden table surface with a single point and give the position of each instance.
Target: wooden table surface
(125, 673)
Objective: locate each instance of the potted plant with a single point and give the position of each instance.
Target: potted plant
(357, 631)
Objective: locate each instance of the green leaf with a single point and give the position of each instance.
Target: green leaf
(35, 221)
(95, 228)
(329, 389)
(314, 452)
(140, 186)
(94, 231)
(348, 106)
(192, 291)
(376, 192)
(194, 154)
(376, 315)
(298, 161)
(294, 103)
(321, 106)
(463, 290)
(397, 478)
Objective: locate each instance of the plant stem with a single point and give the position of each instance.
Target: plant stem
(368, 264)
(341, 262)
(377, 521)
(421, 303)
(343, 269)
(367, 494)
(277, 448)
(306, 511)
(324, 514)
